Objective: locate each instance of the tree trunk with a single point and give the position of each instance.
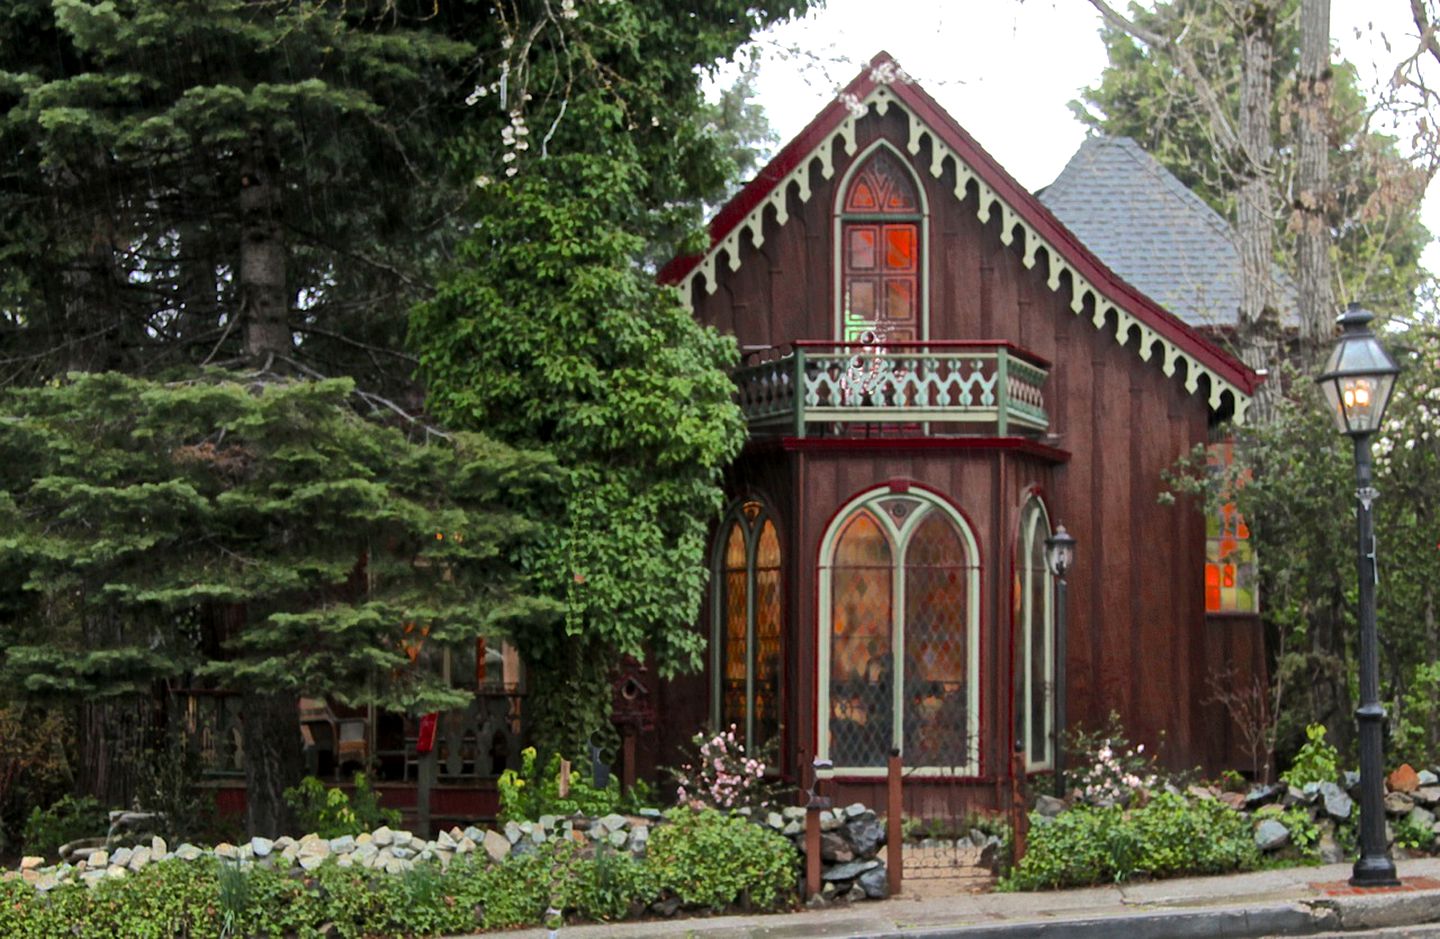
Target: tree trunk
(264, 307)
(273, 759)
(1312, 191)
(1255, 203)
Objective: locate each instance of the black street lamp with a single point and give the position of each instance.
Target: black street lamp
(1060, 557)
(1357, 382)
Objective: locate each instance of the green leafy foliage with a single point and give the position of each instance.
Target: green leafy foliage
(64, 821)
(710, 859)
(330, 812)
(1169, 836)
(1413, 836)
(530, 792)
(1315, 762)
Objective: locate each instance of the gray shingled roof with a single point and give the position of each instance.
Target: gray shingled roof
(1146, 226)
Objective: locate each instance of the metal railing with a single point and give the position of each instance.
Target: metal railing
(783, 389)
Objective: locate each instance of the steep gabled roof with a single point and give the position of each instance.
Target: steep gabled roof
(883, 85)
(1153, 231)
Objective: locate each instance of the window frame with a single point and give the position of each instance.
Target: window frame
(899, 537)
(842, 217)
(751, 530)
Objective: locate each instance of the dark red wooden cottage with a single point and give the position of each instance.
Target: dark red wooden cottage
(936, 373)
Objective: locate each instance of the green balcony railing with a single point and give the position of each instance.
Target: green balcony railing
(959, 386)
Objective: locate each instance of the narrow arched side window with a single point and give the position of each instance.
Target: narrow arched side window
(1035, 626)
(899, 665)
(748, 632)
(881, 242)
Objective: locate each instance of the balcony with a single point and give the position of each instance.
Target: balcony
(939, 388)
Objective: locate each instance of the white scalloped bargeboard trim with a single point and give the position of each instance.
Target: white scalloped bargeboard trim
(883, 99)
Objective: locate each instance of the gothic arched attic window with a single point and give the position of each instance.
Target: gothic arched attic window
(881, 247)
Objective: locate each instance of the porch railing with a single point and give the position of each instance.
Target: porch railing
(994, 385)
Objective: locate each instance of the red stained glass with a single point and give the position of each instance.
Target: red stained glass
(862, 247)
(882, 185)
(881, 262)
(900, 247)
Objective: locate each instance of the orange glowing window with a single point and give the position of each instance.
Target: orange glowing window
(1231, 573)
(880, 252)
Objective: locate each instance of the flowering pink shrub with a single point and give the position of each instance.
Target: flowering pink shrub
(723, 775)
(1107, 769)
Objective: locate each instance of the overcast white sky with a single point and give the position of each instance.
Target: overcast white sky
(1005, 69)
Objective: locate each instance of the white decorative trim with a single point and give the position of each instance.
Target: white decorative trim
(1102, 306)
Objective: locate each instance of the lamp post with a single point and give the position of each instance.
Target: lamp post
(1357, 382)
(1060, 557)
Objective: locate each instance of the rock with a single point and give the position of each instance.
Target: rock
(619, 837)
(1261, 795)
(1398, 803)
(121, 856)
(1271, 835)
(47, 881)
(829, 821)
(614, 822)
(817, 902)
(1236, 800)
(1426, 795)
(648, 812)
(31, 862)
(496, 845)
(639, 840)
(447, 841)
(512, 832)
(316, 848)
(1329, 849)
(138, 859)
(1350, 780)
(990, 855)
(866, 834)
(466, 845)
(188, 852)
(1294, 795)
(345, 860)
(848, 871)
(403, 838)
(311, 861)
(793, 829)
(1337, 803)
(383, 836)
(775, 820)
(857, 810)
(102, 859)
(855, 894)
(1404, 779)
(262, 847)
(548, 821)
(667, 907)
(1419, 817)
(1049, 806)
(834, 849)
(403, 854)
(342, 845)
(158, 847)
(1427, 777)
(793, 812)
(1200, 793)
(875, 883)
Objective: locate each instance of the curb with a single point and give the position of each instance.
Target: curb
(1281, 919)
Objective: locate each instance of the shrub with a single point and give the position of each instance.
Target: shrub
(330, 813)
(1315, 762)
(64, 821)
(1107, 767)
(529, 793)
(1413, 836)
(713, 860)
(723, 775)
(1167, 837)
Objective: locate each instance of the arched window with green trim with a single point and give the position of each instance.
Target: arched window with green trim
(748, 626)
(900, 594)
(1034, 611)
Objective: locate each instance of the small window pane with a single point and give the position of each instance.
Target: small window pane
(767, 638)
(862, 248)
(900, 251)
(735, 610)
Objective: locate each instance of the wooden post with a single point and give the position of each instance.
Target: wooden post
(564, 780)
(894, 843)
(427, 776)
(812, 850)
(627, 771)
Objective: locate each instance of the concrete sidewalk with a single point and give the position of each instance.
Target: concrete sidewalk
(1301, 901)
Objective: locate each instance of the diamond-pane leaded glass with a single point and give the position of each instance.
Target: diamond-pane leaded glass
(861, 649)
(734, 609)
(936, 722)
(767, 638)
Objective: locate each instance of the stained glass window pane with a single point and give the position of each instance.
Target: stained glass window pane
(861, 657)
(899, 299)
(767, 637)
(900, 247)
(1231, 572)
(735, 610)
(862, 248)
(862, 300)
(935, 703)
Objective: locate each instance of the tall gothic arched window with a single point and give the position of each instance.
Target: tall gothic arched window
(899, 655)
(748, 632)
(1034, 610)
(881, 289)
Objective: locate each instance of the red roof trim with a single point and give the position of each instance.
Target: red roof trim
(1025, 205)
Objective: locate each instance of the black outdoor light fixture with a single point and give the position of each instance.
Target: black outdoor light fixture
(1060, 557)
(1357, 381)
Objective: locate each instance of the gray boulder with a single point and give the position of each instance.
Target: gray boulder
(875, 883)
(1271, 835)
(848, 871)
(866, 834)
(1337, 803)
